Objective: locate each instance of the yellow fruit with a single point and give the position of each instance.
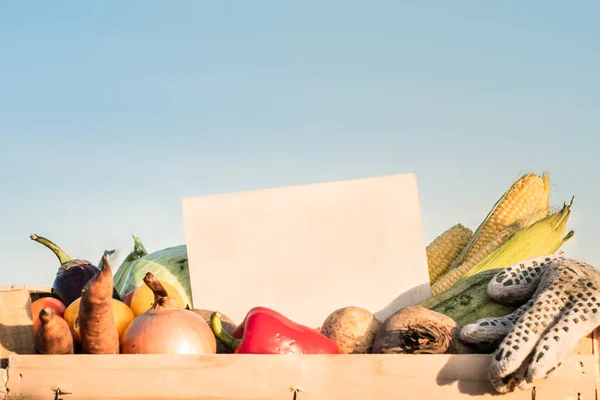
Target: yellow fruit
(123, 315)
(143, 298)
(71, 312)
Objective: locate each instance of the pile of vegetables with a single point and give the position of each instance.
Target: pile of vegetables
(146, 306)
(86, 313)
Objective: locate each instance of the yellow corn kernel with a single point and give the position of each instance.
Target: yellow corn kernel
(442, 251)
(453, 275)
(541, 238)
(516, 243)
(528, 196)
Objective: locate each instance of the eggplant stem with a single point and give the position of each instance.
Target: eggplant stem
(60, 254)
(221, 334)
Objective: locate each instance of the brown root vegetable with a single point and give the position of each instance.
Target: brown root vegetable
(353, 329)
(167, 328)
(418, 330)
(227, 323)
(54, 336)
(97, 328)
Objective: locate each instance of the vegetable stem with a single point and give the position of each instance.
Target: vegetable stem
(224, 337)
(60, 254)
(138, 247)
(106, 254)
(160, 293)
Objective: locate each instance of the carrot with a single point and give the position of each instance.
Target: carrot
(97, 328)
(54, 336)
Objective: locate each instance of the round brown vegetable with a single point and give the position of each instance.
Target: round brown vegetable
(418, 330)
(167, 328)
(353, 329)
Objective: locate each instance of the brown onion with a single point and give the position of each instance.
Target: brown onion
(167, 328)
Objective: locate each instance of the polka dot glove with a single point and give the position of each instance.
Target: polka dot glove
(562, 306)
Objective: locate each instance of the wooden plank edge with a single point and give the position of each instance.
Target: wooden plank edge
(268, 377)
(32, 289)
(3, 382)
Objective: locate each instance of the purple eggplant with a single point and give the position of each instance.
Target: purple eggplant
(72, 275)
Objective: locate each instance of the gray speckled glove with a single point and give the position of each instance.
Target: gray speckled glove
(563, 308)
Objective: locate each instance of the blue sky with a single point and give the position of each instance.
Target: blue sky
(112, 112)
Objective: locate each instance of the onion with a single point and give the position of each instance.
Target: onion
(166, 328)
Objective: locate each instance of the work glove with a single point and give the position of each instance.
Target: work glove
(561, 299)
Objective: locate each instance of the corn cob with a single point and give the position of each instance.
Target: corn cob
(543, 237)
(528, 197)
(444, 249)
(452, 275)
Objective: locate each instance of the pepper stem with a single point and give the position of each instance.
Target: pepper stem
(60, 254)
(224, 337)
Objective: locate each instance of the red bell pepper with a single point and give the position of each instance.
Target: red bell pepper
(265, 331)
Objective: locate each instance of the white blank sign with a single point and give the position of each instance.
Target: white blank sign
(308, 250)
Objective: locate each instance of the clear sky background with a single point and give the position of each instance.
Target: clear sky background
(111, 112)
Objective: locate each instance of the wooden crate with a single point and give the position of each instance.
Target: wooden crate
(265, 377)
(277, 241)
(35, 292)
(16, 326)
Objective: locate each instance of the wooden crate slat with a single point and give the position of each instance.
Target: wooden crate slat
(274, 377)
(266, 377)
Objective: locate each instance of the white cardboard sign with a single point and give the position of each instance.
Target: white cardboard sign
(308, 250)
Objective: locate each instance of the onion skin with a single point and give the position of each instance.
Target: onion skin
(166, 328)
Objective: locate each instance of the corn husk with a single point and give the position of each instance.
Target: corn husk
(540, 238)
(451, 277)
(531, 210)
